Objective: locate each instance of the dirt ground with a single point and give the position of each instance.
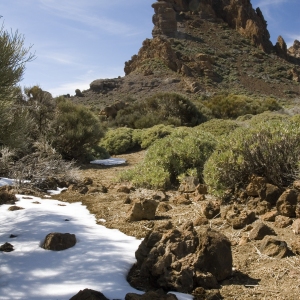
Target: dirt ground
(255, 276)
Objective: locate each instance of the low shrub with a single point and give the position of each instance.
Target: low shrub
(230, 106)
(117, 141)
(269, 149)
(218, 127)
(147, 137)
(267, 116)
(171, 157)
(162, 108)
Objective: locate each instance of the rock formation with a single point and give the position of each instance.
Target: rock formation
(56, 241)
(239, 14)
(281, 48)
(182, 259)
(164, 19)
(295, 49)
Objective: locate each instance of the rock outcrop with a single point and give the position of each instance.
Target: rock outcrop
(164, 19)
(182, 259)
(295, 49)
(239, 15)
(281, 47)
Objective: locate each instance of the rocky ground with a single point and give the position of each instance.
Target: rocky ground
(259, 272)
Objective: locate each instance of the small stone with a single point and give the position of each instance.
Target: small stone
(282, 221)
(210, 209)
(14, 207)
(269, 216)
(274, 247)
(260, 231)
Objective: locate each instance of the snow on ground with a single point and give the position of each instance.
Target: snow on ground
(100, 260)
(109, 162)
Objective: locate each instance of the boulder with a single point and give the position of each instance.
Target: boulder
(88, 294)
(200, 220)
(240, 218)
(274, 247)
(182, 200)
(7, 247)
(151, 295)
(210, 209)
(182, 259)
(286, 204)
(282, 221)
(270, 193)
(260, 230)
(56, 241)
(143, 209)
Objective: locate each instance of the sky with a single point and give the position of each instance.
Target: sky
(78, 41)
(100, 260)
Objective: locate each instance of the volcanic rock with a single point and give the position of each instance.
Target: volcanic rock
(56, 241)
(282, 221)
(88, 294)
(295, 49)
(151, 295)
(143, 209)
(274, 247)
(260, 231)
(286, 204)
(182, 259)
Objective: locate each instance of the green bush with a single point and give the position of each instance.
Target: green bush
(267, 116)
(117, 141)
(147, 137)
(229, 106)
(171, 157)
(269, 149)
(75, 130)
(162, 108)
(218, 127)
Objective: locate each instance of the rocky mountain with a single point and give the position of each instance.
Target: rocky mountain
(201, 48)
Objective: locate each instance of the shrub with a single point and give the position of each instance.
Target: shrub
(171, 157)
(162, 108)
(218, 127)
(269, 149)
(75, 130)
(117, 141)
(229, 106)
(147, 137)
(267, 116)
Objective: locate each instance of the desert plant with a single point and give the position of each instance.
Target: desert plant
(230, 106)
(162, 108)
(171, 157)
(117, 141)
(75, 130)
(218, 127)
(269, 149)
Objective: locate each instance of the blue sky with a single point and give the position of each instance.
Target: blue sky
(78, 41)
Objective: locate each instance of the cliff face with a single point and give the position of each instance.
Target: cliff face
(238, 14)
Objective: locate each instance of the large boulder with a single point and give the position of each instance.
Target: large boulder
(182, 259)
(59, 241)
